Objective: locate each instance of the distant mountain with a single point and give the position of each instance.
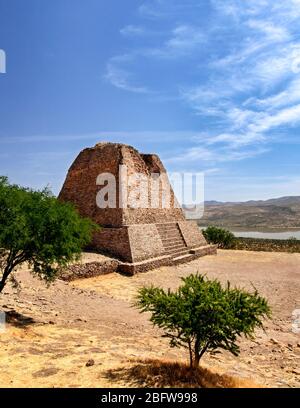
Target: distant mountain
(213, 202)
(291, 200)
(283, 212)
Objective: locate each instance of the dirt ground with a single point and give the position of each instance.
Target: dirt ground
(87, 334)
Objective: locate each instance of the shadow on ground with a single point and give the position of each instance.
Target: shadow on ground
(160, 374)
(17, 319)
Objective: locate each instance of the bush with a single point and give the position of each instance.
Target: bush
(36, 228)
(219, 236)
(202, 316)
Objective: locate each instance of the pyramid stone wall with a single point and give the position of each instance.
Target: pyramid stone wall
(80, 186)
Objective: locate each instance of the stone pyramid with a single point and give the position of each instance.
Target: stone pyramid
(104, 183)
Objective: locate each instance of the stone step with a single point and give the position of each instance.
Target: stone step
(177, 246)
(177, 252)
(195, 253)
(167, 227)
(183, 258)
(167, 233)
(167, 224)
(173, 244)
(204, 250)
(181, 245)
(171, 247)
(170, 234)
(128, 268)
(170, 231)
(172, 238)
(172, 259)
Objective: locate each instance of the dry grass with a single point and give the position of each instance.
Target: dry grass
(163, 373)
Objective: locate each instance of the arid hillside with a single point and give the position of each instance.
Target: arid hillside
(276, 213)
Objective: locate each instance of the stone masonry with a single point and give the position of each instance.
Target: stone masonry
(141, 237)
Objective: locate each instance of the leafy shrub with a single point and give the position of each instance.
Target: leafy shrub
(202, 316)
(37, 228)
(219, 236)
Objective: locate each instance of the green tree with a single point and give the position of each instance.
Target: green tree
(219, 236)
(37, 228)
(202, 316)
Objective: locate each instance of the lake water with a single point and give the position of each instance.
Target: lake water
(266, 234)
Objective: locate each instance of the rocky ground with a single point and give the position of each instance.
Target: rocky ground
(86, 333)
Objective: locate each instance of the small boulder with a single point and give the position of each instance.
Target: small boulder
(90, 363)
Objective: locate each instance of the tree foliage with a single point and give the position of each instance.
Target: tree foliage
(37, 228)
(219, 236)
(203, 316)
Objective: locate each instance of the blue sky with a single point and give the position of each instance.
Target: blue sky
(210, 85)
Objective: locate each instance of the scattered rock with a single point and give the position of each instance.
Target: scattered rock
(90, 363)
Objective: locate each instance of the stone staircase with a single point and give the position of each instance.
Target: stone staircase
(172, 240)
(176, 252)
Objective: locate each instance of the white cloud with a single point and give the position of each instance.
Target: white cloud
(241, 9)
(287, 116)
(181, 41)
(250, 89)
(259, 63)
(185, 38)
(200, 154)
(131, 30)
(247, 127)
(120, 77)
(290, 95)
(151, 10)
(168, 9)
(271, 31)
